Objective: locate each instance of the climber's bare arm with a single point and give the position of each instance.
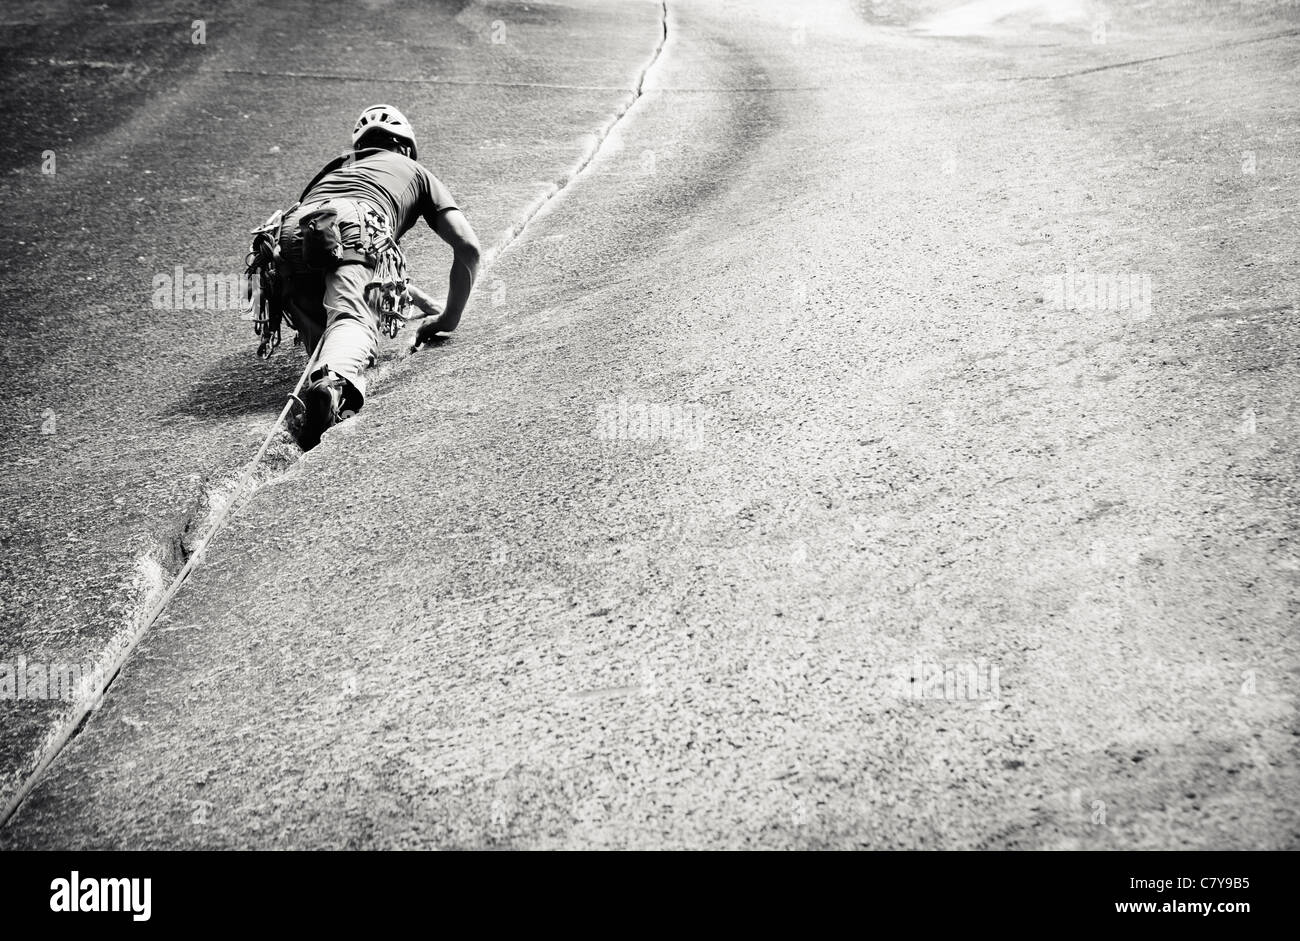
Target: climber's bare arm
(454, 229)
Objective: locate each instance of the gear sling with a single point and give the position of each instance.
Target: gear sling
(324, 248)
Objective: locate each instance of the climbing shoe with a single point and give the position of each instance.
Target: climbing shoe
(327, 403)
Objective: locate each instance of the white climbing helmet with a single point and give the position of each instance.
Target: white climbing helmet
(384, 118)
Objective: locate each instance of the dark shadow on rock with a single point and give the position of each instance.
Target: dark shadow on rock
(241, 384)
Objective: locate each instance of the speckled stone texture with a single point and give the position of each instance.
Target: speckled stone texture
(767, 497)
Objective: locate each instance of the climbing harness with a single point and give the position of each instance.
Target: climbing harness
(325, 242)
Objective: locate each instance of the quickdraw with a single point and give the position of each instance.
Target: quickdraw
(387, 292)
(263, 293)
